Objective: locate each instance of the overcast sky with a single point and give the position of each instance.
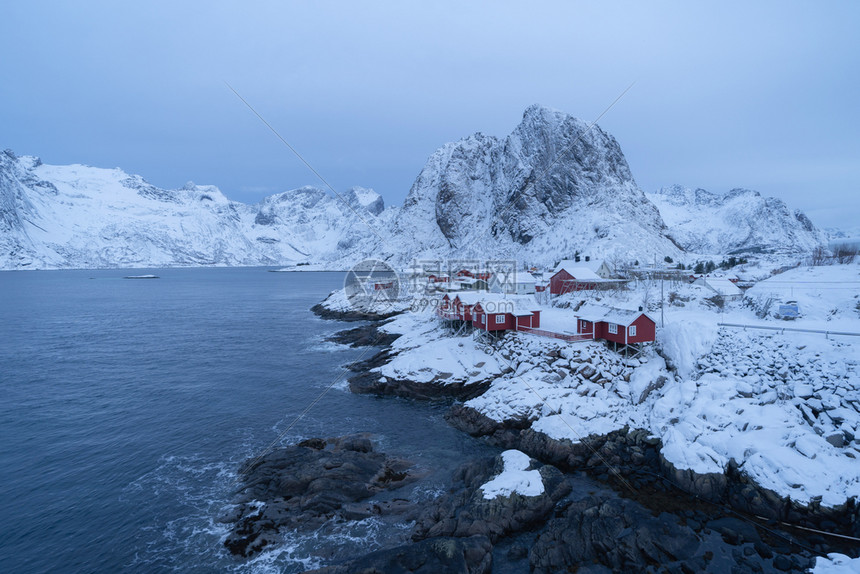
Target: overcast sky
(762, 95)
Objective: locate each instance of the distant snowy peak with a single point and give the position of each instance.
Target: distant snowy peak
(738, 221)
(79, 216)
(365, 198)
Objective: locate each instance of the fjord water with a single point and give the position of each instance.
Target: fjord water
(126, 407)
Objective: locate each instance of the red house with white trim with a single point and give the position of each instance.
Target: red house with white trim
(620, 326)
(490, 314)
(567, 279)
(463, 303)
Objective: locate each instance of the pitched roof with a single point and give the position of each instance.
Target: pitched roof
(469, 298)
(517, 306)
(598, 313)
(578, 272)
(722, 286)
(592, 264)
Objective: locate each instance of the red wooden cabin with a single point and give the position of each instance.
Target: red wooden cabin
(618, 325)
(570, 279)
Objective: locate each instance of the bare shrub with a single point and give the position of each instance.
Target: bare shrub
(717, 301)
(819, 256)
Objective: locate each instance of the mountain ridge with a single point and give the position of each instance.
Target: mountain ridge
(737, 221)
(552, 187)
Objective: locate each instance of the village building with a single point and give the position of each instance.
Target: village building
(462, 305)
(489, 313)
(597, 266)
(723, 287)
(472, 284)
(630, 329)
(518, 284)
(505, 314)
(569, 278)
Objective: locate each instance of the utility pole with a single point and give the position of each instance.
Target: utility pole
(662, 323)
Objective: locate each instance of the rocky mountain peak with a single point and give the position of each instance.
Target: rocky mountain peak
(551, 174)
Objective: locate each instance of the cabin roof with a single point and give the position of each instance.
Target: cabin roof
(579, 272)
(598, 313)
(517, 306)
(722, 286)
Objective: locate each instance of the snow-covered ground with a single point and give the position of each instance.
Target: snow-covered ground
(427, 353)
(784, 405)
(836, 563)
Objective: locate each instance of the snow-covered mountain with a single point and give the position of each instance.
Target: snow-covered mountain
(549, 189)
(81, 216)
(739, 221)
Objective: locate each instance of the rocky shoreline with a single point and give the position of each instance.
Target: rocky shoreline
(631, 462)
(655, 517)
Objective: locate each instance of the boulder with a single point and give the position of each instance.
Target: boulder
(472, 555)
(304, 485)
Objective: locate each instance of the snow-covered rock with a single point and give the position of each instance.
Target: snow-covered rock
(514, 478)
(736, 222)
(835, 563)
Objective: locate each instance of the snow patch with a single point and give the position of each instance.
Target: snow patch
(515, 478)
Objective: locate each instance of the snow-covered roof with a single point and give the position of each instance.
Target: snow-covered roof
(469, 298)
(722, 286)
(592, 265)
(518, 306)
(578, 272)
(597, 313)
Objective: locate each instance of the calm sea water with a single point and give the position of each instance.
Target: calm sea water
(126, 407)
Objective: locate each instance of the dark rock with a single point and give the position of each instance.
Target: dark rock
(517, 552)
(322, 311)
(782, 562)
(376, 384)
(472, 555)
(477, 424)
(837, 439)
(734, 530)
(302, 486)
(365, 336)
(763, 550)
(464, 511)
(616, 533)
(377, 360)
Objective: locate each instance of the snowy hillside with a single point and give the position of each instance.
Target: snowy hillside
(740, 221)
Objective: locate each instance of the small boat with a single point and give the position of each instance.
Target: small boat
(141, 277)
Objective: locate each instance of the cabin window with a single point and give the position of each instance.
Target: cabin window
(500, 319)
(613, 328)
(631, 330)
(483, 318)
